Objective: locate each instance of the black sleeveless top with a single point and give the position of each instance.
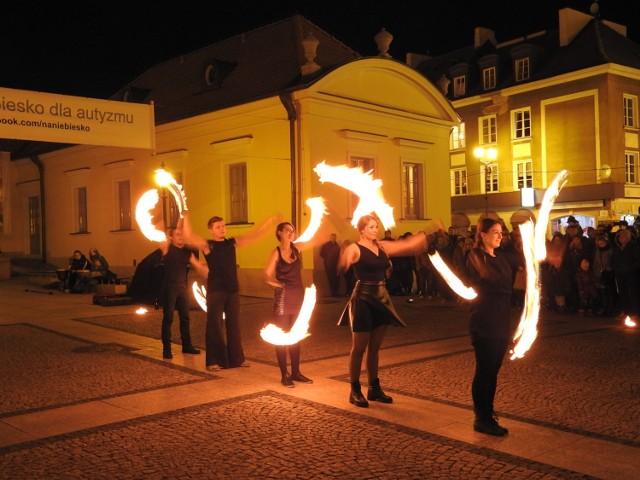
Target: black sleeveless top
(221, 260)
(371, 267)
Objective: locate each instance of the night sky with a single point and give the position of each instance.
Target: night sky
(94, 48)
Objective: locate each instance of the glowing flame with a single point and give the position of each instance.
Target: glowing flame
(364, 186)
(451, 278)
(147, 202)
(200, 294)
(318, 209)
(141, 311)
(535, 250)
(166, 180)
(275, 335)
(628, 322)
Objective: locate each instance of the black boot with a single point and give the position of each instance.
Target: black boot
(375, 393)
(487, 424)
(356, 396)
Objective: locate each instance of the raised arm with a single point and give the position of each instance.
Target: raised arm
(190, 237)
(258, 232)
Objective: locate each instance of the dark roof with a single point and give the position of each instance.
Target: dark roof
(596, 44)
(253, 65)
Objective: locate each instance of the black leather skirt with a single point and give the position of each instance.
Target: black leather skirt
(369, 307)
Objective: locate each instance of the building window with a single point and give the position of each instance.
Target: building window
(238, 193)
(412, 193)
(630, 105)
(124, 205)
(631, 167)
(458, 181)
(489, 78)
(524, 174)
(457, 137)
(82, 224)
(522, 69)
(367, 164)
(490, 174)
(488, 130)
(521, 123)
(459, 86)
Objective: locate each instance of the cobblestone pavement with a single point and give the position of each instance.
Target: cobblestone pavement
(67, 366)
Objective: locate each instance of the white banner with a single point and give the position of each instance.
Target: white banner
(47, 117)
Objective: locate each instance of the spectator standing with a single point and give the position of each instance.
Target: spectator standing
(626, 265)
(330, 254)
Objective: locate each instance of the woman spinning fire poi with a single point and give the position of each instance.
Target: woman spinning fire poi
(370, 310)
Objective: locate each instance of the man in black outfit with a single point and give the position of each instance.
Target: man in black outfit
(176, 257)
(330, 253)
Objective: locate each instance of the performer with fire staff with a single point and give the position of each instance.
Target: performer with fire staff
(284, 272)
(369, 310)
(489, 273)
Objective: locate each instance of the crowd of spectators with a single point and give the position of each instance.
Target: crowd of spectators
(587, 271)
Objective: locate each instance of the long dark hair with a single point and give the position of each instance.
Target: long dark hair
(484, 225)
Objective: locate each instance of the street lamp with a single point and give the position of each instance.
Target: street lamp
(486, 156)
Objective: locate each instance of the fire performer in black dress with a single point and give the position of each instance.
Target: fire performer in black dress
(284, 272)
(489, 273)
(370, 310)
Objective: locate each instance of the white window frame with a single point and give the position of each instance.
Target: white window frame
(488, 130)
(521, 123)
(523, 174)
(412, 191)
(630, 110)
(459, 85)
(457, 138)
(489, 78)
(631, 168)
(459, 186)
(490, 178)
(522, 69)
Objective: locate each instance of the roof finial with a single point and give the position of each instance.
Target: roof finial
(595, 9)
(383, 40)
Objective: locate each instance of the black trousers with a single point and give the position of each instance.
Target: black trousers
(175, 298)
(490, 353)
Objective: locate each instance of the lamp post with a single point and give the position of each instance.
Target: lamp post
(486, 156)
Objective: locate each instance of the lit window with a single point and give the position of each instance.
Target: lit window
(459, 86)
(489, 78)
(521, 123)
(630, 106)
(488, 130)
(490, 177)
(631, 167)
(457, 138)
(458, 181)
(412, 193)
(524, 174)
(522, 69)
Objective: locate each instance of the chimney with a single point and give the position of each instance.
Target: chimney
(481, 35)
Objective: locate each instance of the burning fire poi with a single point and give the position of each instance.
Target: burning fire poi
(364, 186)
(300, 329)
(318, 210)
(451, 278)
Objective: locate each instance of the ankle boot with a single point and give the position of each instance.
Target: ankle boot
(356, 396)
(375, 393)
